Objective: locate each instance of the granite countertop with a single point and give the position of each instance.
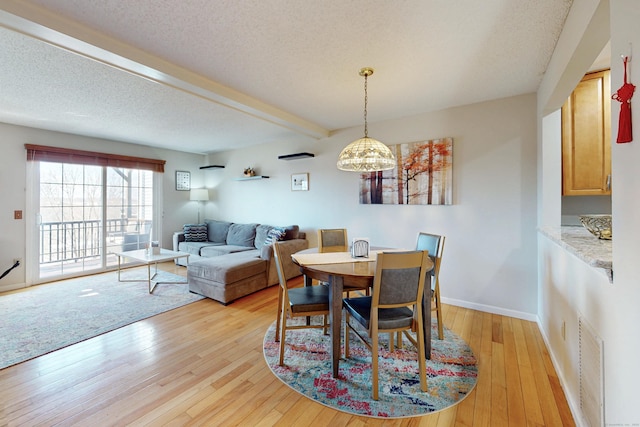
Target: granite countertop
(577, 240)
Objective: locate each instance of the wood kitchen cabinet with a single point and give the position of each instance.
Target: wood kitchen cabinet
(586, 137)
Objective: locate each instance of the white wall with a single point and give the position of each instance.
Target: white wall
(567, 287)
(177, 208)
(490, 252)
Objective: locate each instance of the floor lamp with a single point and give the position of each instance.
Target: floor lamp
(199, 195)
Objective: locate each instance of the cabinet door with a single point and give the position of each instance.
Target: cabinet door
(586, 138)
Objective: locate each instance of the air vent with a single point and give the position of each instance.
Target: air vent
(591, 374)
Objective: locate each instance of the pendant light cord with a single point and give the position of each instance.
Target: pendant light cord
(366, 98)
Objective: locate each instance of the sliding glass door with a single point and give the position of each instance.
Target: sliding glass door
(88, 212)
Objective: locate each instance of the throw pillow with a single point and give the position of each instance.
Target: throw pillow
(275, 234)
(292, 232)
(195, 232)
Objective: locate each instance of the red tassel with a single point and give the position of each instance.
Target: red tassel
(625, 133)
(624, 95)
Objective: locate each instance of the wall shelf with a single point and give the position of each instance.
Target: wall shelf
(295, 156)
(251, 178)
(212, 167)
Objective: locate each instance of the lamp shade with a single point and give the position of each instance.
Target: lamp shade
(199, 194)
(366, 155)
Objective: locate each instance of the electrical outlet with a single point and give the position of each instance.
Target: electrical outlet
(17, 260)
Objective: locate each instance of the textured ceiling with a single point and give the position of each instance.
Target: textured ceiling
(209, 75)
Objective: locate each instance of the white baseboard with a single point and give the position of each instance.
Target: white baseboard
(12, 287)
(491, 309)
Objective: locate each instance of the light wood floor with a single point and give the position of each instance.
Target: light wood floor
(202, 364)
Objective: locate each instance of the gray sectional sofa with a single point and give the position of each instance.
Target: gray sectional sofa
(228, 261)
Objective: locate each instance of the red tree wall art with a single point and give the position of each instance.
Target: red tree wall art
(423, 176)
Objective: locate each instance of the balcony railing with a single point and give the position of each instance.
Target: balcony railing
(80, 240)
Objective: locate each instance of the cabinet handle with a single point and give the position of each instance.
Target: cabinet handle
(609, 182)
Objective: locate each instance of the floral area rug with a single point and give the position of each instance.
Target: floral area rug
(52, 316)
(451, 373)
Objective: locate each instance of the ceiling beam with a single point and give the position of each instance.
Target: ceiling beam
(69, 35)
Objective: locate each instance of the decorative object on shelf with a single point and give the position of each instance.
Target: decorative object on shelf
(212, 167)
(249, 172)
(598, 225)
(300, 182)
(624, 95)
(199, 195)
(183, 180)
(360, 247)
(295, 156)
(366, 154)
(425, 176)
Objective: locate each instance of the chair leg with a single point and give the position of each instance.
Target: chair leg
(346, 335)
(283, 329)
(325, 323)
(278, 318)
(436, 297)
(422, 369)
(374, 363)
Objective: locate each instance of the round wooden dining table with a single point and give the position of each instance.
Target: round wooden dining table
(347, 276)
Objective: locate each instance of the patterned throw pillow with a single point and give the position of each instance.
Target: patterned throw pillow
(195, 232)
(275, 234)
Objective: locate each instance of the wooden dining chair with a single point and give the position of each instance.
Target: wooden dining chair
(435, 245)
(297, 302)
(395, 305)
(333, 240)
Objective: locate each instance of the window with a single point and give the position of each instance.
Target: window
(89, 205)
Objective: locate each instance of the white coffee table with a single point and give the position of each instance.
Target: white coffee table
(143, 256)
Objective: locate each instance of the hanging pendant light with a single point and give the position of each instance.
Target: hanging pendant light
(366, 154)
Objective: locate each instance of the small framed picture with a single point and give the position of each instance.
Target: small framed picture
(183, 180)
(300, 182)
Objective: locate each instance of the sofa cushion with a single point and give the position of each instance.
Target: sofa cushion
(228, 269)
(241, 234)
(195, 232)
(267, 234)
(194, 248)
(214, 251)
(261, 235)
(217, 230)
